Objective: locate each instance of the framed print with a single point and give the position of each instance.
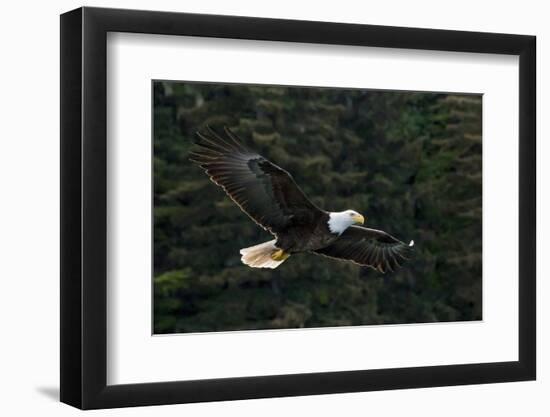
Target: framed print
(257, 208)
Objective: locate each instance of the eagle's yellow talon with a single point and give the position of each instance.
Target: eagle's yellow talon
(279, 255)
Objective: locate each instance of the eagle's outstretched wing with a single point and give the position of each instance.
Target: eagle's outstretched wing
(264, 191)
(369, 247)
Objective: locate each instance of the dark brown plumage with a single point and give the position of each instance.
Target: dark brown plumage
(369, 247)
(269, 196)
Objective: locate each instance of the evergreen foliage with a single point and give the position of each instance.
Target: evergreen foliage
(410, 162)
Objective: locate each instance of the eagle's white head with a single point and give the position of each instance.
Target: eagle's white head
(339, 221)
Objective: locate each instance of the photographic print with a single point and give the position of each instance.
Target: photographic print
(358, 188)
(280, 207)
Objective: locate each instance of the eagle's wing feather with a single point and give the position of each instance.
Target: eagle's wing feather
(369, 247)
(264, 191)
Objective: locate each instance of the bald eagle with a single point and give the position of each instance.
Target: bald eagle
(270, 197)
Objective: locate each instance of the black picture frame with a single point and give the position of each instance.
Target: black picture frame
(84, 207)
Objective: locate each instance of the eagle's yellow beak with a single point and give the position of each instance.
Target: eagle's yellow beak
(357, 218)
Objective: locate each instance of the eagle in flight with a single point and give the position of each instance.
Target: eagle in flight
(269, 196)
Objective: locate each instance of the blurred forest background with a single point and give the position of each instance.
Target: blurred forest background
(410, 162)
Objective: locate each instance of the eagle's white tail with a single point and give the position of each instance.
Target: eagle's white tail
(259, 256)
